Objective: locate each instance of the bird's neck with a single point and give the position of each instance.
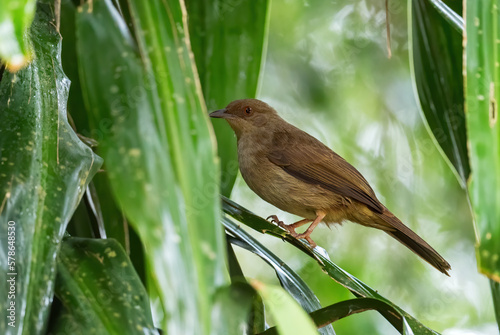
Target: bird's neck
(254, 142)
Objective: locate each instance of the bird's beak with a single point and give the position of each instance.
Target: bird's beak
(220, 114)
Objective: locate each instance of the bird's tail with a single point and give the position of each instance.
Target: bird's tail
(414, 242)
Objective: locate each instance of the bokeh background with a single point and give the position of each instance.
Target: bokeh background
(327, 71)
(135, 98)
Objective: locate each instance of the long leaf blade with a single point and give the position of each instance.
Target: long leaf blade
(229, 43)
(43, 173)
(482, 52)
(290, 281)
(235, 300)
(483, 92)
(98, 286)
(289, 317)
(346, 308)
(436, 58)
(159, 152)
(357, 287)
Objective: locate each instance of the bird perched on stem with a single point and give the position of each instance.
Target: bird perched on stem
(297, 173)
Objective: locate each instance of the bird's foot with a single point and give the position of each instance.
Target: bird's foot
(307, 237)
(291, 230)
(274, 219)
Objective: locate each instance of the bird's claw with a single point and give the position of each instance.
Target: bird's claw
(307, 237)
(274, 219)
(291, 231)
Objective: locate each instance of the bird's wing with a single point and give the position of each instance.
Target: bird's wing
(309, 160)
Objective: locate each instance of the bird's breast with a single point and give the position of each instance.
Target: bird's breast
(276, 186)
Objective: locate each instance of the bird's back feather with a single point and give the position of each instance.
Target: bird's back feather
(309, 160)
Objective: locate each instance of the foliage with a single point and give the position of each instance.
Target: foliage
(139, 97)
(437, 58)
(103, 305)
(482, 93)
(227, 71)
(442, 104)
(45, 169)
(15, 21)
(158, 152)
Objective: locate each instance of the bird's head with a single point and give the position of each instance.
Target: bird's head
(246, 115)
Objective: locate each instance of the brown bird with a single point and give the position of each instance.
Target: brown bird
(297, 173)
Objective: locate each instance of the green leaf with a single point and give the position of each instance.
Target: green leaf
(257, 322)
(436, 59)
(235, 300)
(495, 293)
(76, 106)
(159, 150)
(449, 15)
(235, 271)
(114, 221)
(357, 287)
(63, 323)
(229, 43)
(290, 281)
(44, 171)
(290, 318)
(15, 20)
(346, 308)
(332, 313)
(99, 287)
(257, 318)
(482, 52)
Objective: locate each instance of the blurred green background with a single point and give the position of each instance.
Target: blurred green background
(327, 72)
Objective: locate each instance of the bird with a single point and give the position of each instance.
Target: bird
(297, 173)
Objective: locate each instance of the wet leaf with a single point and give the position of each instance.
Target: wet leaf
(146, 102)
(436, 55)
(483, 130)
(229, 43)
(290, 318)
(44, 171)
(100, 290)
(357, 287)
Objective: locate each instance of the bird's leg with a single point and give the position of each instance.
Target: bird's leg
(291, 228)
(320, 216)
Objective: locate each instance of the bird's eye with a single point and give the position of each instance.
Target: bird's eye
(248, 110)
